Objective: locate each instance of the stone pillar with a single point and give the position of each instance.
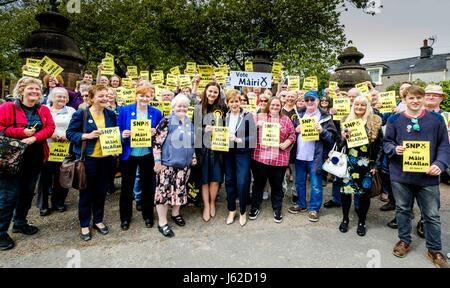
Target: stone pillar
(52, 40)
(262, 58)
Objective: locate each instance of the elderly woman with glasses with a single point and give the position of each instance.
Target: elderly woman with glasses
(61, 113)
(84, 91)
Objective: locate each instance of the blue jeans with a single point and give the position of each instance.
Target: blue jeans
(428, 199)
(302, 169)
(137, 190)
(237, 173)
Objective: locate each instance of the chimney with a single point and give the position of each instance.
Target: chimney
(426, 51)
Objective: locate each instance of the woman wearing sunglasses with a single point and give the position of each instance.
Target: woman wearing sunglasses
(362, 163)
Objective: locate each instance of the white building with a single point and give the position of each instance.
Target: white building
(426, 67)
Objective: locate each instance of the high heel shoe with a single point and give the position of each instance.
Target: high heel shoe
(206, 215)
(212, 211)
(230, 218)
(243, 219)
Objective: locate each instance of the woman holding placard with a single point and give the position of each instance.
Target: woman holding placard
(84, 131)
(207, 115)
(31, 123)
(137, 123)
(364, 146)
(61, 113)
(270, 159)
(237, 161)
(173, 150)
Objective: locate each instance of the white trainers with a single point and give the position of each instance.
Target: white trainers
(265, 195)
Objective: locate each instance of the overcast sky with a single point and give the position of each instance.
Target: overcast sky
(399, 29)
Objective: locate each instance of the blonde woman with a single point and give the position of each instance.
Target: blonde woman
(362, 163)
(30, 122)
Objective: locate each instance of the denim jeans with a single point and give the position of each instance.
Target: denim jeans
(137, 189)
(302, 169)
(428, 199)
(237, 173)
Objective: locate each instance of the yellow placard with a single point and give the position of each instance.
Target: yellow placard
(277, 67)
(342, 106)
(185, 80)
(145, 75)
(157, 78)
(108, 66)
(171, 80)
(127, 82)
(416, 157)
(332, 85)
(109, 56)
(132, 71)
(50, 67)
(34, 68)
(220, 139)
(248, 66)
(167, 108)
(388, 101)
(205, 70)
(141, 134)
(310, 83)
(59, 151)
(358, 134)
(248, 108)
(191, 67)
(129, 96)
(363, 87)
(308, 130)
(110, 141)
(294, 83)
(271, 134)
(175, 70)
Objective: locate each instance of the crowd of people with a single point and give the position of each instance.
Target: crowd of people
(156, 176)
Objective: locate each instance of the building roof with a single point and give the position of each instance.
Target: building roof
(413, 65)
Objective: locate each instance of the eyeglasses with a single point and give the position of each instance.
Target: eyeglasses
(263, 101)
(310, 100)
(416, 126)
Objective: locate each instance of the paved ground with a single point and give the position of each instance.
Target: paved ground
(261, 243)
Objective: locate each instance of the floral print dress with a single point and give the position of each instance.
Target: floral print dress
(171, 183)
(360, 181)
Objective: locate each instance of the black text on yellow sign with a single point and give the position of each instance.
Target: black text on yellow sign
(416, 157)
(220, 139)
(141, 134)
(308, 129)
(342, 106)
(59, 151)
(110, 141)
(358, 134)
(271, 134)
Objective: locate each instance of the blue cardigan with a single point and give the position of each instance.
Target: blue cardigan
(127, 114)
(75, 129)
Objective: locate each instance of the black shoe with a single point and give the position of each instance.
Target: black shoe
(102, 231)
(6, 242)
(45, 212)
(60, 208)
(331, 204)
(254, 212)
(25, 229)
(419, 229)
(149, 223)
(86, 237)
(393, 224)
(166, 231)
(294, 199)
(344, 226)
(125, 225)
(361, 230)
(178, 220)
(277, 216)
(388, 207)
(138, 206)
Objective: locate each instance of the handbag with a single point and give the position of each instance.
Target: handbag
(73, 171)
(376, 185)
(11, 151)
(336, 163)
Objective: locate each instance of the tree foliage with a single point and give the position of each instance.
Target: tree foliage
(158, 34)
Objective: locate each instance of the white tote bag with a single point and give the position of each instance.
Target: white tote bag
(336, 163)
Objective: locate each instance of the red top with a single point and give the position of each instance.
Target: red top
(7, 118)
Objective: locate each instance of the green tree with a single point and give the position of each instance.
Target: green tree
(305, 35)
